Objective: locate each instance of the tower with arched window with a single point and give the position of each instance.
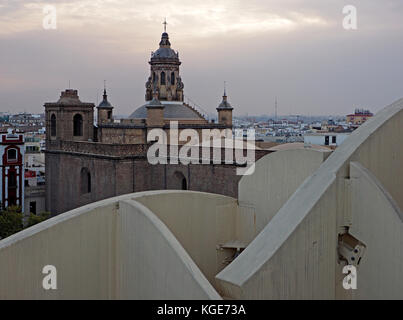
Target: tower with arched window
(69, 119)
(164, 77)
(105, 110)
(225, 111)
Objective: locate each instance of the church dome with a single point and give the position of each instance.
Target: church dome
(105, 103)
(225, 105)
(172, 110)
(165, 51)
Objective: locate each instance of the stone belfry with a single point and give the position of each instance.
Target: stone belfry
(164, 77)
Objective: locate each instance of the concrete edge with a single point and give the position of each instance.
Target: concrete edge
(181, 253)
(370, 177)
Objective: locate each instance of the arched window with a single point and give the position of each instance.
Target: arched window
(85, 181)
(11, 155)
(78, 125)
(12, 188)
(173, 78)
(162, 77)
(179, 182)
(184, 184)
(53, 125)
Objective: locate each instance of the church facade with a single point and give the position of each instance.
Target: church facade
(86, 162)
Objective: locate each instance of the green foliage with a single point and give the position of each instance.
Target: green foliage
(35, 219)
(10, 222)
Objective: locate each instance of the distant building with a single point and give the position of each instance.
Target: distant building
(359, 117)
(325, 139)
(34, 174)
(12, 169)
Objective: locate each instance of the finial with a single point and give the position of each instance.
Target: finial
(225, 88)
(105, 95)
(165, 24)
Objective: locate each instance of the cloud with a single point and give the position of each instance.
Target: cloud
(295, 49)
(201, 18)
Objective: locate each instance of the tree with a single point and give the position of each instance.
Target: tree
(10, 221)
(35, 219)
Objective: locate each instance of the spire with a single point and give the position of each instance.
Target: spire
(105, 103)
(225, 104)
(165, 38)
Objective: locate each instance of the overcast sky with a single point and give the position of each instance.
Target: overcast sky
(296, 50)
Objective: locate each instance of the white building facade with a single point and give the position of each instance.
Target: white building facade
(325, 139)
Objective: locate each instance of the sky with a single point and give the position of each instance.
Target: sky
(296, 50)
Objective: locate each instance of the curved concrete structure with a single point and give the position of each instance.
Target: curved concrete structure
(275, 179)
(296, 254)
(112, 249)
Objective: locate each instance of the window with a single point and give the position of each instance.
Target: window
(173, 78)
(78, 125)
(184, 184)
(179, 181)
(89, 182)
(85, 181)
(32, 207)
(326, 140)
(162, 78)
(109, 115)
(53, 125)
(12, 179)
(12, 155)
(29, 149)
(334, 139)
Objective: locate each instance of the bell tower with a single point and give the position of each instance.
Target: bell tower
(225, 111)
(105, 110)
(165, 78)
(69, 119)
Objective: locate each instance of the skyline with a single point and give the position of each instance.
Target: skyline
(302, 55)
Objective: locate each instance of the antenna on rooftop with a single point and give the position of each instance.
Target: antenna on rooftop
(275, 109)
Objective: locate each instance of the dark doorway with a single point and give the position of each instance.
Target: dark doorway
(78, 125)
(32, 207)
(184, 184)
